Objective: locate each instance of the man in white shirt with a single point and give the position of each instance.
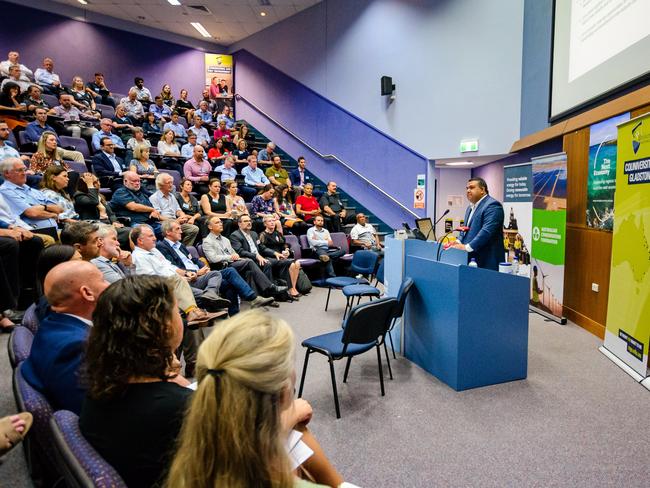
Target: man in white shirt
(167, 206)
(16, 77)
(14, 60)
(176, 127)
(142, 92)
(6, 151)
(321, 243)
(149, 260)
(227, 169)
(202, 134)
(132, 106)
(364, 235)
(47, 78)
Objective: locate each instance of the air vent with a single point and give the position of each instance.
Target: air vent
(200, 8)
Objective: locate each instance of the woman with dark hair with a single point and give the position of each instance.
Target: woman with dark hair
(217, 153)
(262, 205)
(151, 128)
(10, 96)
(274, 240)
(54, 186)
(213, 204)
(184, 107)
(243, 133)
(284, 209)
(135, 400)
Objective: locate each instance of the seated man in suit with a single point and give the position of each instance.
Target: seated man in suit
(72, 289)
(107, 166)
(484, 217)
(201, 278)
(220, 254)
(299, 177)
(247, 244)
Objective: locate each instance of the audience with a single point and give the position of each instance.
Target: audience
(307, 206)
(108, 167)
(38, 126)
(321, 243)
(143, 95)
(227, 169)
(113, 262)
(176, 126)
(15, 78)
(13, 60)
(284, 209)
(34, 208)
(72, 290)
(184, 107)
(99, 91)
(254, 178)
(217, 153)
(73, 116)
(202, 134)
(234, 202)
(149, 261)
(364, 235)
(32, 98)
(266, 156)
(165, 203)
(220, 254)
(133, 202)
(188, 202)
(249, 361)
(170, 151)
(299, 176)
(167, 97)
(197, 169)
(145, 167)
(274, 240)
(106, 126)
(84, 237)
(332, 208)
(133, 106)
(213, 204)
(47, 78)
(136, 398)
(160, 111)
(187, 150)
(54, 186)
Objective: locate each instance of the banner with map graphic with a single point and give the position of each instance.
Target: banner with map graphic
(548, 234)
(628, 310)
(601, 177)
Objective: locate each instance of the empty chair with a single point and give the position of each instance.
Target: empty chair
(80, 168)
(365, 328)
(294, 244)
(363, 263)
(341, 240)
(402, 295)
(183, 122)
(38, 444)
(79, 463)
(78, 143)
(50, 100)
(19, 345)
(363, 290)
(25, 145)
(106, 110)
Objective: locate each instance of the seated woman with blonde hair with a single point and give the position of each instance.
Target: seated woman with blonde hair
(235, 432)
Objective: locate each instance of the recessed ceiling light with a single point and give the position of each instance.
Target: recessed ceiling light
(83, 2)
(459, 163)
(174, 2)
(202, 30)
(263, 14)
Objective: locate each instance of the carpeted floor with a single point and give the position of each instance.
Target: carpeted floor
(577, 420)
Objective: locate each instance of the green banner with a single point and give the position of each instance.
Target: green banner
(548, 233)
(628, 310)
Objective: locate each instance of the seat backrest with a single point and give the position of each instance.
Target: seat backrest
(175, 175)
(22, 138)
(30, 400)
(368, 321)
(50, 100)
(404, 290)
(380, 272)
(80, 168)
(80, 144)
(20, 345)
(79, 463)
(304, 242)
(193, 252)
(199, 249)
(364, 262)
(183, 122)
(30, 320)
(341, 240)
(294, 244)
(106, 110)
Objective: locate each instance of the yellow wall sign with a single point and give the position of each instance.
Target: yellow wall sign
(219, 66)
(628, 310)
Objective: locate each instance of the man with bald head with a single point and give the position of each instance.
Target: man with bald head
(72, 289)
(132, 201)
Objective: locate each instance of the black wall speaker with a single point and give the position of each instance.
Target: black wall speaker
(387, 86)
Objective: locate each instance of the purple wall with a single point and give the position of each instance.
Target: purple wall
(80, 48)
(331, 130)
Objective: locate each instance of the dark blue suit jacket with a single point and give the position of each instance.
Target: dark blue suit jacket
(102, 166)
(294, 177)
(53, 364)
(171, 256)
(485, 235)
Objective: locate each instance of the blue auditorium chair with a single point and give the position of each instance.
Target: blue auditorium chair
(363, 263)
(19, 345)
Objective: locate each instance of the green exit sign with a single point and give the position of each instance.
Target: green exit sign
(469, 145)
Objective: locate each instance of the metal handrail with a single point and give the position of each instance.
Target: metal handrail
(324, 156)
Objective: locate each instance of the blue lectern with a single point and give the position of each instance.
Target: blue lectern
(466, 326)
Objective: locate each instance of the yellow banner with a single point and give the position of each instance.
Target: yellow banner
(218, 73)
(628, 310)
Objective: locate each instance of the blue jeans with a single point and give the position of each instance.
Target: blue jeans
(233, 286)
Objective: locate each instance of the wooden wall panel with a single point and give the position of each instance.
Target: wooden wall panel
(588, 251)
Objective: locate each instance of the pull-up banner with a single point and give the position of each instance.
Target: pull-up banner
(628, 311)
(548, 233)
(518, 214)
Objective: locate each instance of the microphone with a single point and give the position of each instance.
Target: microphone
(462, 228)
(433, 228)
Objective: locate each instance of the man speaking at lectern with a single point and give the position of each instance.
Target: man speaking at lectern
(484, 218)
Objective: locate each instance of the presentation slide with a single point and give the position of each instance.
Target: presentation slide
(599, 45)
